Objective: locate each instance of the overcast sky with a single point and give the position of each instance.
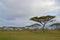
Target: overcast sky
(18, 12)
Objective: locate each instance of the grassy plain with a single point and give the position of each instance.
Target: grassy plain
(27, 35)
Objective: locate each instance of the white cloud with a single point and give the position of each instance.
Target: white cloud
(19, 11)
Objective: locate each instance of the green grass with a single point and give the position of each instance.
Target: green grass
(26, 35)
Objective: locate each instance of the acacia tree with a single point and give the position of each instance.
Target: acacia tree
(56, 25)
(43, 20)
(27, 27)
(14, 28)
(35, 26)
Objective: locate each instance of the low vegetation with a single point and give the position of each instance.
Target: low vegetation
(27, 35)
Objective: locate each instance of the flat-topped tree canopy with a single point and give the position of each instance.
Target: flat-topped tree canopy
(47, 17)
(35, 24)
(43, 19)
(55, 24)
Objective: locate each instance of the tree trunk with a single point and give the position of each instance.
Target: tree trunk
(43, 28)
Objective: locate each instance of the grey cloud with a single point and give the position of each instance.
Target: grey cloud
(19, 11)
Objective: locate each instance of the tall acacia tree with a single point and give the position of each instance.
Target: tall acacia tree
(43, 20)
(57, 25)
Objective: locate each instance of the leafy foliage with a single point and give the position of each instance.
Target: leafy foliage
(42, 19)
(55, 24)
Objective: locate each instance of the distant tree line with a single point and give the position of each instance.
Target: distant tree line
(11, 28)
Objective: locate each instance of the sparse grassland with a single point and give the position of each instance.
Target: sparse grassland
(27, 35)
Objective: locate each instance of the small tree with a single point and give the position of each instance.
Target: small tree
(27, 27)
(35, 26)
(56, 25)
(14, 28)
(43, 20)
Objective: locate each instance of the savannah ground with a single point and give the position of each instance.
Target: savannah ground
(27, 35)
